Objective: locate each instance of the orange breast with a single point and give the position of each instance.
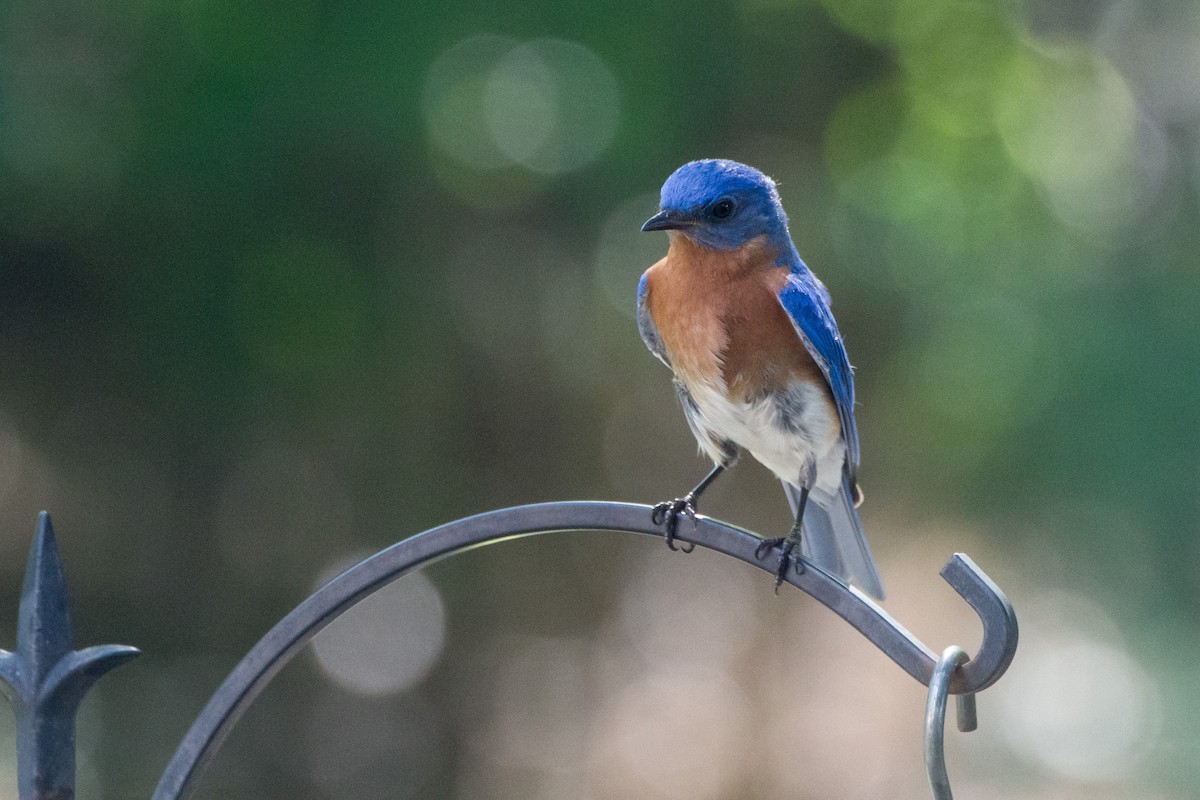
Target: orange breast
(719, 317)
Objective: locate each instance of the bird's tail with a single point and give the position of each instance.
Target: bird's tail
(834, 540)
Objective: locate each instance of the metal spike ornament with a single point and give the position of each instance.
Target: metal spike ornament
(44, 679)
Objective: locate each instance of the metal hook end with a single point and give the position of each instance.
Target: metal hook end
(968, 718)
(935, 720)
(999, 621)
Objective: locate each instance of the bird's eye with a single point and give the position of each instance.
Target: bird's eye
(722, 208)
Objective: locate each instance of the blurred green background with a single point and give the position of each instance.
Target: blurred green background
(284, 283)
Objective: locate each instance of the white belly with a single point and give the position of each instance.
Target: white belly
(784, 438)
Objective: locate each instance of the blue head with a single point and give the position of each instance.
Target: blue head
(720, 204)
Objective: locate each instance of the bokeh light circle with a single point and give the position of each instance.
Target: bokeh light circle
(454, 100)
(548, 105)
(1078, 702)
(552, 105)
(1083, 709)
(388, 641)
(1071, 123)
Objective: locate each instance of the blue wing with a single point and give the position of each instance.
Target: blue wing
(807, 302)
(646, 326)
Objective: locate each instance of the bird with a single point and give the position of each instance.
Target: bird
(758, 362)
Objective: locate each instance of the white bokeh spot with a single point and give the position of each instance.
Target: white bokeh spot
(388, 641)
(548, 105)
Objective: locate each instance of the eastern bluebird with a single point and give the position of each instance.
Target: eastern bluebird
(758, 360)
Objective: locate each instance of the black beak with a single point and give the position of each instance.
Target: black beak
(668, 221)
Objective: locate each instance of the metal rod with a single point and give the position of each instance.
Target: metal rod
(935, 721)
(965, 713)
(296, 629)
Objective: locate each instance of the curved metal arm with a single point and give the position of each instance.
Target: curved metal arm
(295, 630)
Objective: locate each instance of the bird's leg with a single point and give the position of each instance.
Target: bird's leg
(667, 512)
(788, 544)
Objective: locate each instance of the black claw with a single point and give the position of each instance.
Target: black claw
(786, 545)
(667, 514)
(785, 561)
(767, 545)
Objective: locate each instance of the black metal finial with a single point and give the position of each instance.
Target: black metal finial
(44, 679)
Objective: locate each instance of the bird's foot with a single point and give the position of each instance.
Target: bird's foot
(667, 514)
(785, 545)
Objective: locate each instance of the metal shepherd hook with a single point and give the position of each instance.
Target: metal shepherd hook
(45, 678)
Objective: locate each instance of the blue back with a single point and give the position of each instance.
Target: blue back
(807, 303)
